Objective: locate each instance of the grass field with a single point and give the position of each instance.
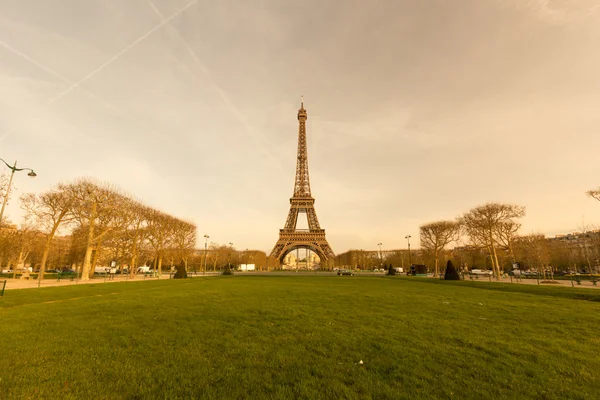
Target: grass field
(286, 337)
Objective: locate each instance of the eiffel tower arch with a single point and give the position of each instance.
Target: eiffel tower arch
(291, 238)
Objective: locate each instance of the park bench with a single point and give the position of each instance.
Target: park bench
(59, 276)
(595, 281)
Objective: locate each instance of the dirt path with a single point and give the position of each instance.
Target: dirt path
(33, 283)
(529, 281)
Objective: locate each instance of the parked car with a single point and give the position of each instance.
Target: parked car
(530, 273)
(7, 271)
(480, 272)
(345, 272)
(68, 271)
(52, 271)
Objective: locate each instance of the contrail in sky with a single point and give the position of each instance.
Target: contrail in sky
(113, 59)
(119, 54)
(222, 94)
(54, 73)
(70, 82)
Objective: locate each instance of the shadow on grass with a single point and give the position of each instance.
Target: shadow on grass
(568, 293)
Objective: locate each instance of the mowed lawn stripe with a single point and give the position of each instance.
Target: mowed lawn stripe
(297, 337)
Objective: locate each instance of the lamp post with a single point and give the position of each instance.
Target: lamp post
(205, 252)
(13, 169)
(407, 237)
(380, 257)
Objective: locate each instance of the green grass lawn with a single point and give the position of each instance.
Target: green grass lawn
(286, 337)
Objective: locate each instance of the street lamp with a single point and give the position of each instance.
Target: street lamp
(380, 257)
(13, 169)
(407, 237)
(205, 252)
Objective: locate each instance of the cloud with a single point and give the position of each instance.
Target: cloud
(557, 12)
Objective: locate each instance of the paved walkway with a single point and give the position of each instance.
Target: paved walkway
(33, 283)
(529, 281)
(562, 283)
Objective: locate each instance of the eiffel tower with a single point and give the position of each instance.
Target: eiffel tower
(312, 238)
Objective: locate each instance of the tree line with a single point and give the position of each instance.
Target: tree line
(104, 225)
(488, 237)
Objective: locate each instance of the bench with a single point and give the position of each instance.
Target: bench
(59, 276)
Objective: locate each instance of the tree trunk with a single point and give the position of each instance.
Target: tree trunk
(160, 265)
(494, 257)
(94, 261)
(85, 271)
(132, 268)
(44, 258)
(17, 265)
(497, 263)
(436, 266)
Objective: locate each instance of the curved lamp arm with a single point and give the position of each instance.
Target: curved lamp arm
(31, 173)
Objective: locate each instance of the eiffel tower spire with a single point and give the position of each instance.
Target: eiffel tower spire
(302, 185)
(291, 238)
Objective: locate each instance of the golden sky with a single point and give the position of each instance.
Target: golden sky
(417, 110)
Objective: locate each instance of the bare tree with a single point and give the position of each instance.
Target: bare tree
(26, 238)
(98, 207)
(435, 236)
(4, 180)
(216, 254)
(536, 251)
(595, 193)
(48, 212)
(135, 231)
(506, 234)
(160, 235)
(9, 245)
(184, 240)
(483, 224)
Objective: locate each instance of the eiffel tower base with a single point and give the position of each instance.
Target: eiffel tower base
(314, 240)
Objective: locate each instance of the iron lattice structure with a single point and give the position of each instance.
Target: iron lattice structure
(312, 238)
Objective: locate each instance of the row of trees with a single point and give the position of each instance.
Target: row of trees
(488, 237)
(489, 227)
(491, 234)
(104, 224)
(219, 256)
